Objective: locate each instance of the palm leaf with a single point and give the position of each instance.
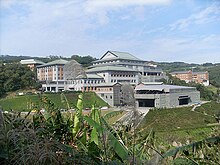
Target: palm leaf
(114, 141)
(194, 146)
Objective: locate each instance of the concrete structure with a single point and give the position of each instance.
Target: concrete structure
(90, 82)
(165, 96)
(110, 93)
(51, 75)
(189, 76)
(106, 76)
(147, 71)
(114, 74)
(31, 63)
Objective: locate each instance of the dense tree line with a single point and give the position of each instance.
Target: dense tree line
(214, 75)
(15, 76)
(84, 60)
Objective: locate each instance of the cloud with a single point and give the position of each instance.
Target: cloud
(101, 8)
(95, 5)
(204, 16)
(207, 15)
(188, 49)
(66, 28)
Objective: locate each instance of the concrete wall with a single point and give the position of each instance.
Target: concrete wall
(169, 100)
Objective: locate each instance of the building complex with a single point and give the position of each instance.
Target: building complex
(190, 76)
(106, 76)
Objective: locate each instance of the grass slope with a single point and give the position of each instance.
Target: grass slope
(26, 103)
(180, 124)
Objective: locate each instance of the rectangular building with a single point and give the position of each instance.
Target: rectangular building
(165, 96)
(51, 75)
(189, 76)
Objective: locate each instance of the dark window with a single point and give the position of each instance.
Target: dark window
(146, 103)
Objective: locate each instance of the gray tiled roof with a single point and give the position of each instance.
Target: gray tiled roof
(110, 68)
(180, 72)
(119, 55)
(55, 62)
(161, 87)
(185, 72)
(31, 61)
(89, 76)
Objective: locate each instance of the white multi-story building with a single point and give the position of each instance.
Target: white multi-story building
(51, 75)
(147, 73)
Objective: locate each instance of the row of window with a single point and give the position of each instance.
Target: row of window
(49, 69)
(152, 74)
(122, 75)
(132, 81)
(110, 97)
(88, 81)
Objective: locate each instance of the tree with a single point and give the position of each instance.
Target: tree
(15, 76)
(84, 60)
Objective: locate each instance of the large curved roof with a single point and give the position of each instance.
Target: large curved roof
(114, 55)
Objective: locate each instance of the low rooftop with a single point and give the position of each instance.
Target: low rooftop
(160, 87)
(55, 62)
(31, 61)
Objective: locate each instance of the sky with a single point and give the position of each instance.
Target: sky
(152, 30)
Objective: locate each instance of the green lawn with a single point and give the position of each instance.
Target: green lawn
(27, 102)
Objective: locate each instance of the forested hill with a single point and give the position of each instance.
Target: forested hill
(84, 60)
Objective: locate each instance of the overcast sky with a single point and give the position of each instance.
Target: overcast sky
(158, 30)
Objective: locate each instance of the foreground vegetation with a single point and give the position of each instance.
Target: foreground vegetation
(51, 138)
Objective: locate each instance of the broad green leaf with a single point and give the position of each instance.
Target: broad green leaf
(114, 142)
(94, 136)
(94, 124)
(76, 125)
(78, 115)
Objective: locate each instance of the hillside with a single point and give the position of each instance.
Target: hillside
(29, 102)
(180, 124)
